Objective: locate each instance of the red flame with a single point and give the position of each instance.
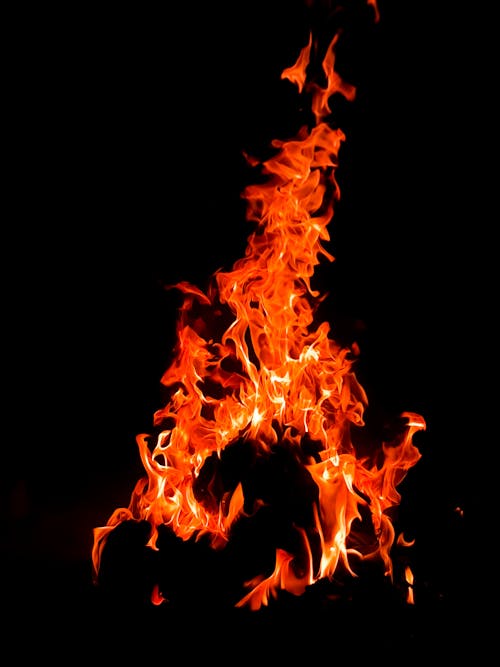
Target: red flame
(252, 365)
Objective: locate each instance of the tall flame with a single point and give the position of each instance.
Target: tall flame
(251, 365)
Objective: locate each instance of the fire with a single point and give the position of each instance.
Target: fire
(253, 368)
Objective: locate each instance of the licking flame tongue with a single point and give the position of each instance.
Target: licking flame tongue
(251, 366)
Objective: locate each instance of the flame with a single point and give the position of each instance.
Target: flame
(251, 365)
(409, 580)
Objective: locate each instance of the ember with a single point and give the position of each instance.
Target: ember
(256, 451)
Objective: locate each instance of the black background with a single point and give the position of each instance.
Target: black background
(128, 128)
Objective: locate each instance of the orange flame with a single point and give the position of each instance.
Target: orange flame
(251, 365)
(409, 580)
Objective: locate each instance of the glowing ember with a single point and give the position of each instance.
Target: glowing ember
(253, 371)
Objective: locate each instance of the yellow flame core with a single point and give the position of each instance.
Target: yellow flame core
(271, 377)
